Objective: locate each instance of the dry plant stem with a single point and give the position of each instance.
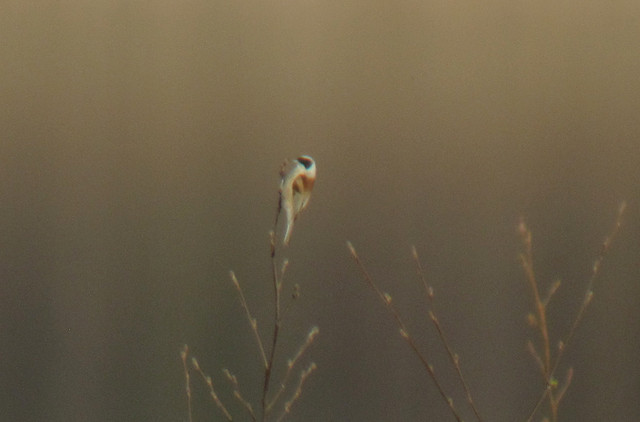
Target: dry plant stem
(527, 264)
(236, 393)
(291, 363)
(207, 379)
(386, 300)
(536, 356)
(554, 400)
(298, 392)
(544, 363)
(252, 321)
(276, 325)
(567, 383)
(183, 355)
(455, 360)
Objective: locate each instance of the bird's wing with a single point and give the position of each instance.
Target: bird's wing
(289, 194)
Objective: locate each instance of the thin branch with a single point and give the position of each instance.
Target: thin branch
(567, 383)
(291, 363)
(595, 271)
(207, 379)
(277, 287)
(252, 321)
(296, 395)
(183, 355)
(236, 393)
(552, 290)
(536, 356)
(387, 301)
(455, 360)
(526, 259)
(541, 400)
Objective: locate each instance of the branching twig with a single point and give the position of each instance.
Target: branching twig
(236, 393)
(536, 356)
(291, 363)
(207, 379)
(252, 321)
(298, 392)
(550, 366)
(455, 360)
(404, 332)
(277, 287)
(526, 259)
(567, 383)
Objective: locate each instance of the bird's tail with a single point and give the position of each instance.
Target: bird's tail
(289, 228)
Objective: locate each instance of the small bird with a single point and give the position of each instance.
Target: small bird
(298, 177)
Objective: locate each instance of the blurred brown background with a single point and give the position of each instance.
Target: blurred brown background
(140, 144)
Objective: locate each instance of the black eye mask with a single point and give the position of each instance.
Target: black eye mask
(305, 162)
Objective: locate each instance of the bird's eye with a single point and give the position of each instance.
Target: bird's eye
(306, 162)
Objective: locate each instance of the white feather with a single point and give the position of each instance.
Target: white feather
(295, 191)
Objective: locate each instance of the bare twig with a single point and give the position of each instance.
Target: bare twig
(291, 363)
(277, 287)
(455, 360)
(298, 392)
(567, 383)
(183, 355)
(526, 259)
(404, 332)
(207, 379)
(536, 356)
(551, 367)
(238, 395)
(252, 321)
